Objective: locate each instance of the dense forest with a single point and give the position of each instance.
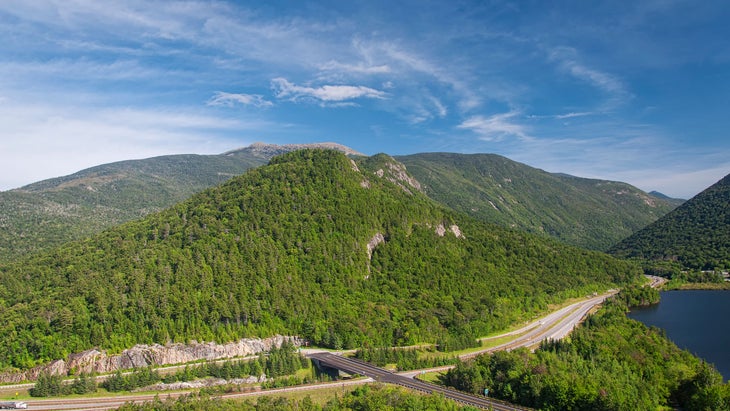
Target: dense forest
(344, 254)
(366, 398)
(694, 234)
(609, 363)
(48, 213)
(588, 213)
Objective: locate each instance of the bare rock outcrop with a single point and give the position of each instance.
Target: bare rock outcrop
(147, 355)
(207, 382)
(267, 151)
(398, 175)
(455, 230)
(377, 239)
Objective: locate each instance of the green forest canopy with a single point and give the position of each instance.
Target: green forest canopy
(695, 234)
(588, 213)
(283, 249)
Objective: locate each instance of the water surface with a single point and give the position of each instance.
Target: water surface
(696, 320)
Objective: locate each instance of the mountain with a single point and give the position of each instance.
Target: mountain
(675, 201)
(51, 212)
(697, 233)
(588, 213)
(593, 214)
(267, 151)
(344, 252)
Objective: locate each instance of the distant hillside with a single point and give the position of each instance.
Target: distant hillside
(675, 201)
(589, 213)
(343, 252)
(697, 233)
(267, 151)
(48, 213)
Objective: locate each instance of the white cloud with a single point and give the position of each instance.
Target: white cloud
(230, 99)
(574, 114)
(496, 127)
(441, 110)
(360, 68)
(564, 116)
(567, 59)
(328, 93)
(423, 107)
(467, 98)
(80, 69)
(41, 141)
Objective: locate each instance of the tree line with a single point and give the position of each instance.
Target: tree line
(280, 361)
(609, 363)
(283, 250)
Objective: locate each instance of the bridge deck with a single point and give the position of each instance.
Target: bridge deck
(353, 366)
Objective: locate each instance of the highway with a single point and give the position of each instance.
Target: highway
(353, 366)
(555, 325)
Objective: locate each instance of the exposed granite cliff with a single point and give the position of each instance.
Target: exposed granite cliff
(147, 355)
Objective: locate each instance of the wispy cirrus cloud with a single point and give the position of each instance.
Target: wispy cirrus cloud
(359, 68)
(573, 114)
(221, 98)
(567, 59)
(42, 140)
(412, 62)
(496, 127)
(563, 116)
(284, 89)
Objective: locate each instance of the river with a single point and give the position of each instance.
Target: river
(696, 320)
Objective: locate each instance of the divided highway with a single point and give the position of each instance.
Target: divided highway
(553, 326)
(353, 366)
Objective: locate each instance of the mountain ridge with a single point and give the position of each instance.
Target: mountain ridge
(695, 233)
(267, 150)
(50, 212)
(283, 249)
(584, 212)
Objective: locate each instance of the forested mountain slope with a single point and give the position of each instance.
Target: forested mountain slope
(697, 233)
(589, 213)
(341, 252)
(50, 212)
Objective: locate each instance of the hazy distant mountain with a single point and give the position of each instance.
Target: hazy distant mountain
(675, 201)
(50, 212)
(697, 233)
(594, 214)
(344, 252)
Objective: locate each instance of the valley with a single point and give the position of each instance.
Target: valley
(552, 326)
(461, 203)
(345, 252)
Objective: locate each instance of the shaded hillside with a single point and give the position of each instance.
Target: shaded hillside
(697, 233)
(594, 214)
(315, 244)
(674, 201)
(50, 212)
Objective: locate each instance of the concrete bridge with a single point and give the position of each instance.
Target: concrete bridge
(357, 367)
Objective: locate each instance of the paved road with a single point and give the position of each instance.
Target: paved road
(553, 326)
(656, 281)
(353, 366)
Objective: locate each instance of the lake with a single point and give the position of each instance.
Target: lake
(696, 320)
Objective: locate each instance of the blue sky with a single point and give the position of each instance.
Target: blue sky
(630, 91)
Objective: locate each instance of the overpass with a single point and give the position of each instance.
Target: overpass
(357, 367)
